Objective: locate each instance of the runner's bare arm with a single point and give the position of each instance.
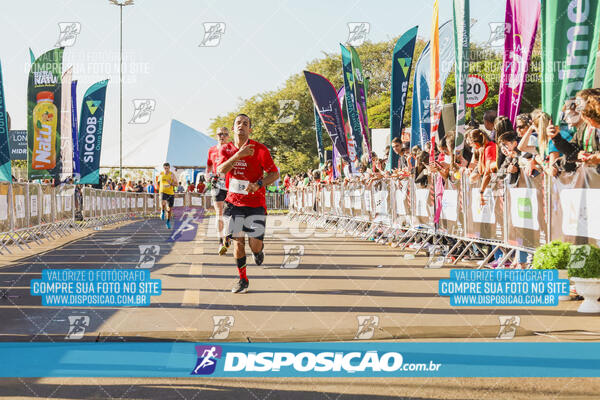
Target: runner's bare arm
(244, 151)
(269, 178)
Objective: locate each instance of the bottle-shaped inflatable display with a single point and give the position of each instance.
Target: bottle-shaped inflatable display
(44, 132)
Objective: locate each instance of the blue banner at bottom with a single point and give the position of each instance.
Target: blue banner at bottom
(350, 359)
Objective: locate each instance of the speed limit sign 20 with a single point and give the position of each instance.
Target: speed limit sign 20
(477, 90)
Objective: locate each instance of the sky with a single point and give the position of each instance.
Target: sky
(264, 42)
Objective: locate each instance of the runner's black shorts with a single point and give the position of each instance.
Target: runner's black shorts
(251, 220)
(220, 196)
(169, 198)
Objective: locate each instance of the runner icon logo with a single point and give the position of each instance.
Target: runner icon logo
(142, 110)
(498, 31)
(186, 225)
(292, 256)
(357, 32)
(77, 325)
(579, 255)
(508, 326)
(222, 326)
(148, 254)
(287, 111)
(213, 31)
(366, 326)
(68, 33)
(207, 359)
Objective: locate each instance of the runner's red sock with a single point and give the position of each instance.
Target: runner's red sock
(241, 264)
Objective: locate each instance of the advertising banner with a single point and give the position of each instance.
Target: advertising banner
(522, 17)
(570, 33)
(43, 113)
(527, 225)
(90, 132)
(574, 212)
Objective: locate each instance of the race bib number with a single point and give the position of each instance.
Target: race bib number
(238, 186)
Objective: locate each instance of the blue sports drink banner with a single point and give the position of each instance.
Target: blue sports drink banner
(401, 63)
(320, 359)
(421, 119)
(326, 101)
(75, 138)
(5, 167)
(90, 132)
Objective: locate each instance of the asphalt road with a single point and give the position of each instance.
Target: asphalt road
(314, 286)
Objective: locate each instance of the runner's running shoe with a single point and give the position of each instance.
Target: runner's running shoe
(240, 287)
(225, 243)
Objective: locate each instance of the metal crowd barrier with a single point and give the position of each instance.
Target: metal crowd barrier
(32, 212)
(518, 216)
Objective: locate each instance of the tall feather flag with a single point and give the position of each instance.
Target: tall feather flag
(325, 98)
(435, 87)
(461, 56)
(522, 16)
(401, 65)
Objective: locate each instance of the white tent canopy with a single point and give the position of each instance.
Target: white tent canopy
(174, 142)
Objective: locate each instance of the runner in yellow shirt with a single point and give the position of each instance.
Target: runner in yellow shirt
(166, 183)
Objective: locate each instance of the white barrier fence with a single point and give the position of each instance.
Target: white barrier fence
(31, 212)
(519, 215)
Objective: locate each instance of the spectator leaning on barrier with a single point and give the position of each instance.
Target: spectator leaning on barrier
(316, 176)
(201, 186)
(420, 171)
(489, 118)
(501, 125)
(398, 148)
(441, 163)
(545, 154)
(584, 145)
(522, 124)
(508, 142)
(487, 152)
(150, 188)
(191, 187)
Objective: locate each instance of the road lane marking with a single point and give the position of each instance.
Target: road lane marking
(195, 269)
(191, 298)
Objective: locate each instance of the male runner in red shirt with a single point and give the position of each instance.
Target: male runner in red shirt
(245, 162)
(218, 189)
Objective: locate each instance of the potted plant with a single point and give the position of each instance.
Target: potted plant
(584, 270)
(553, 255)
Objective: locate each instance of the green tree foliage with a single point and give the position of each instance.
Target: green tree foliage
(293, 144)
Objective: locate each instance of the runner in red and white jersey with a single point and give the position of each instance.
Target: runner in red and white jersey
(218, 188)
(249, 168)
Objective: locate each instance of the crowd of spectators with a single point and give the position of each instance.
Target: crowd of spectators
(497, 149)
(148, 186)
